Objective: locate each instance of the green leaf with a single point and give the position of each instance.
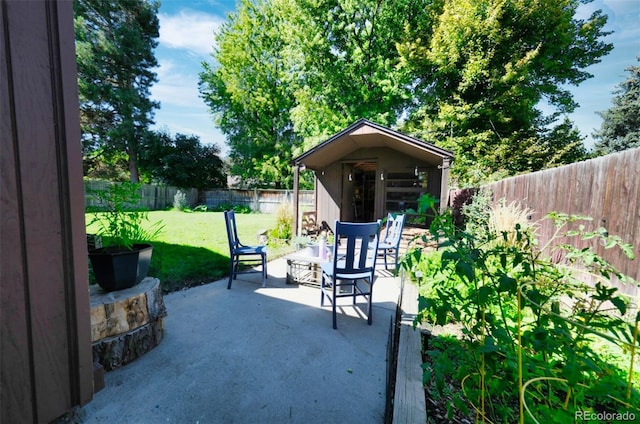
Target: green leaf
(620, 303)
(571, 371)
(507, 284)
(441, 317)
(627, 249)
(488, 346)
(450, 255)
(465, 270)
(484, 293)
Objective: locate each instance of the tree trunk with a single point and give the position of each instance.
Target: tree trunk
(133, 166)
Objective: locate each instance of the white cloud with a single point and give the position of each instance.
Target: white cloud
(189, 29)
(176, 87)
(182, 110)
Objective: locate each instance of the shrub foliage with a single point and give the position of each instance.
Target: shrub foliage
(538, 341)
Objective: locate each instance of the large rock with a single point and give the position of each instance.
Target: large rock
(126, 324)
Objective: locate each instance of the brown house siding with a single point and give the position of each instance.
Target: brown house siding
(45, 345)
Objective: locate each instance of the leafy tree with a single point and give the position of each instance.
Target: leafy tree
(182, 161)
(114, 43)
(249, 90)
(620, 129)
(481, 68)
(466, 75)
(288, 71)
(564, 145)
(351, 64)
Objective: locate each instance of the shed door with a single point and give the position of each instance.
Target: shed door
(358, 192)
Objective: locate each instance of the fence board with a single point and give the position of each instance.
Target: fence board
(607, 189)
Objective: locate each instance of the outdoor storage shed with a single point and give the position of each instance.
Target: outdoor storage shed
(368, 170)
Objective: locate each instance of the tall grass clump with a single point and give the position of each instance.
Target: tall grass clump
(283, 229)
(179, 201)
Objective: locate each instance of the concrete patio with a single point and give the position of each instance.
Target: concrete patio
(253, 354)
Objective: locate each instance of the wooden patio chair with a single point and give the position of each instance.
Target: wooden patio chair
(390, 243)
(309, 225)
(243, 258)
(351, 272)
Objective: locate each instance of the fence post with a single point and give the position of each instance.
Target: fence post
(256, 204)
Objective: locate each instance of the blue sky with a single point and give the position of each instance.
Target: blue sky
(186, 40)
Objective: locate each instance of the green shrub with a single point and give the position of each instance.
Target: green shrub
(284, 223)
(531, 328)
(236, 208)
(476, 213)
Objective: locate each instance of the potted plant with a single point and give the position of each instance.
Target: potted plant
(300, 242)
(124, 258)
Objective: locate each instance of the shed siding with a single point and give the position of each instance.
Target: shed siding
(333, 186)
(329, 192)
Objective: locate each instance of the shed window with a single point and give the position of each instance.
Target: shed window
(402, 190)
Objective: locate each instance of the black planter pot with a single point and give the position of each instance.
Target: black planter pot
(118, 269)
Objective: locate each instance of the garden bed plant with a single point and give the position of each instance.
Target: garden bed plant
(124, 259)
(544, 334)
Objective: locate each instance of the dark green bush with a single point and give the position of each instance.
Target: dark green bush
(236, 208)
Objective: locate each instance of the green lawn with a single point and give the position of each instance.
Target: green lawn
(192, 248)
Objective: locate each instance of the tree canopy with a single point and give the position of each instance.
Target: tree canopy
(287, 73)
(250, 91)
(181, 161)
(349, 67)
(466, 75)
(115, 41)
(620, 129)
(481, 69)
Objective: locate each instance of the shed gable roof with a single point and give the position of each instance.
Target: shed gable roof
(366, 134)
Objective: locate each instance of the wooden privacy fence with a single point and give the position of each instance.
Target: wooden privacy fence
(606, 189)
(264, 201)
(152, 197)
(157, 197)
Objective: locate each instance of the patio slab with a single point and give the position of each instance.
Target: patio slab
(253, 354)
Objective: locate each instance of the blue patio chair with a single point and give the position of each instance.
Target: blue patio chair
(351, 272)
(243, 258)
(390, 243)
